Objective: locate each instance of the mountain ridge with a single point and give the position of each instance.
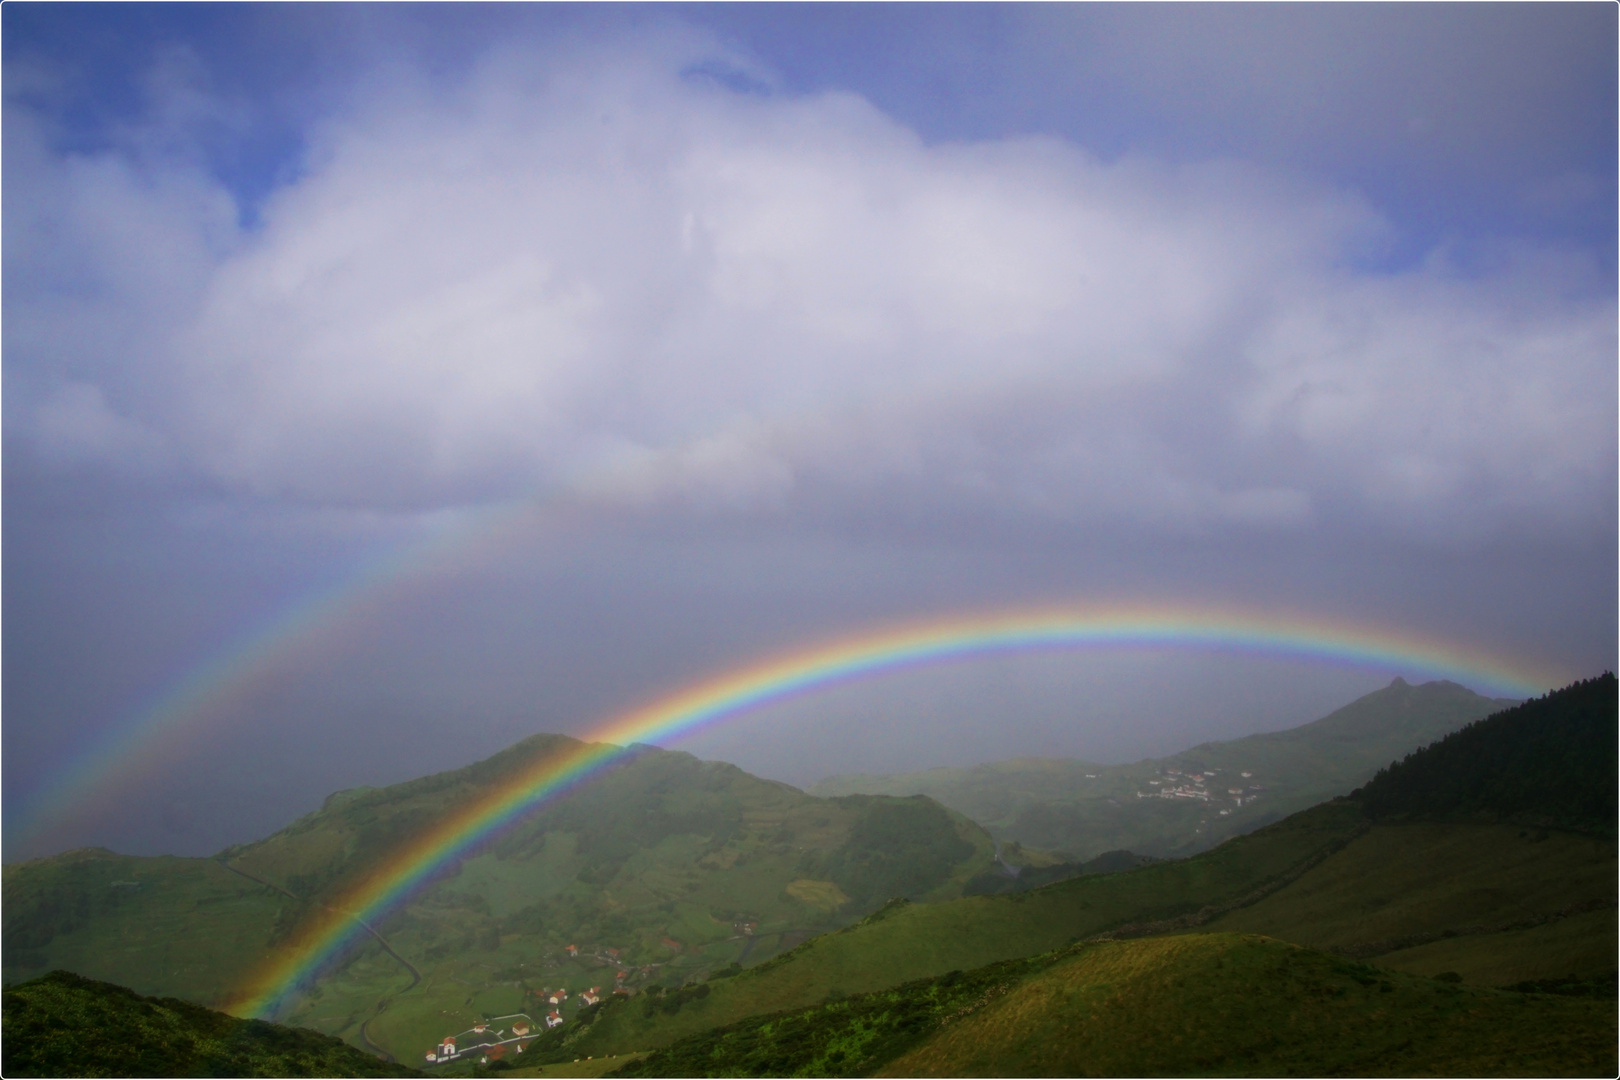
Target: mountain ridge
(1083, 808)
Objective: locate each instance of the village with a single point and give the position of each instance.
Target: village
(494, 1037)
(1173, 783)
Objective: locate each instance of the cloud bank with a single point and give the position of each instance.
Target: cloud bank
(618, 274)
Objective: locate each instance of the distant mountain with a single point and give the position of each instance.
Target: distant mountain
(663, 868)
(1188, 802)
(65, 1025)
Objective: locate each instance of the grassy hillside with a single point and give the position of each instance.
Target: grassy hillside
(1206, 1004)
(1507, 904)
(65, 1025)
(1191, 801)
(663, 869)
(903, 942)
(171, 926)
(1463, 873)
(1484, 902)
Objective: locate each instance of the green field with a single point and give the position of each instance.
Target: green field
(1239, 1005)
(911, 941)
(1200, 1004)
(1486, 901)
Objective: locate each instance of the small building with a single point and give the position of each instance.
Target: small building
(480, 1028)
(521, 1028)
(571, 950)
(614, 953)
(590, 997)
(431, 1056)
(558, 996)
(447, 1049)
(553, 1019)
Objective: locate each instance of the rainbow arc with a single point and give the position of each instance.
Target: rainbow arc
(400, 876)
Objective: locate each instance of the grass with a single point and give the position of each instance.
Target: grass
(65, 1025)
(1490, 889)
(1204, 1004)
(912, 941)
(169, 926)
(1226, 1004)
(1579, 947)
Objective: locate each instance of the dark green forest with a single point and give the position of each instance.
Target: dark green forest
(1548, 762)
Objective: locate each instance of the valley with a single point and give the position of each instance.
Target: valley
(663, 916)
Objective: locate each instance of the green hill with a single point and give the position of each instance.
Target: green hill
(1205, 1004)
(663, 869)
(1490, 903)
(906, 941)
(1191, 801)
(1493, 856)
(725, 898)
(1550, 761)
(65, 1025)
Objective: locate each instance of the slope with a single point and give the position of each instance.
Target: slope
(65, 1025)
(1493, 856)
(905, 941)
(1190, 801)
(1532, 907)
(1206, 1004)
(1225, 1005)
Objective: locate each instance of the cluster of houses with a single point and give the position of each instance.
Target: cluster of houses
(1174, 784)
(485, 1038)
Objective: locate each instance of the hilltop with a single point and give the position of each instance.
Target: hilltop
(662, 868)
(1190, 801)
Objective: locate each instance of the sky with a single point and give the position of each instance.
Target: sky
(383, 384)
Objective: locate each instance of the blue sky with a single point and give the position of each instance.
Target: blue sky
(788, 319)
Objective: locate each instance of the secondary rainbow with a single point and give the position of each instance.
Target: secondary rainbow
(327, 935)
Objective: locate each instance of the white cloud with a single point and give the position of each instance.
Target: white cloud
(602, 274)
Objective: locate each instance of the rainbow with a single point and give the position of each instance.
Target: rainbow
(330, 933)
(147, 737)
